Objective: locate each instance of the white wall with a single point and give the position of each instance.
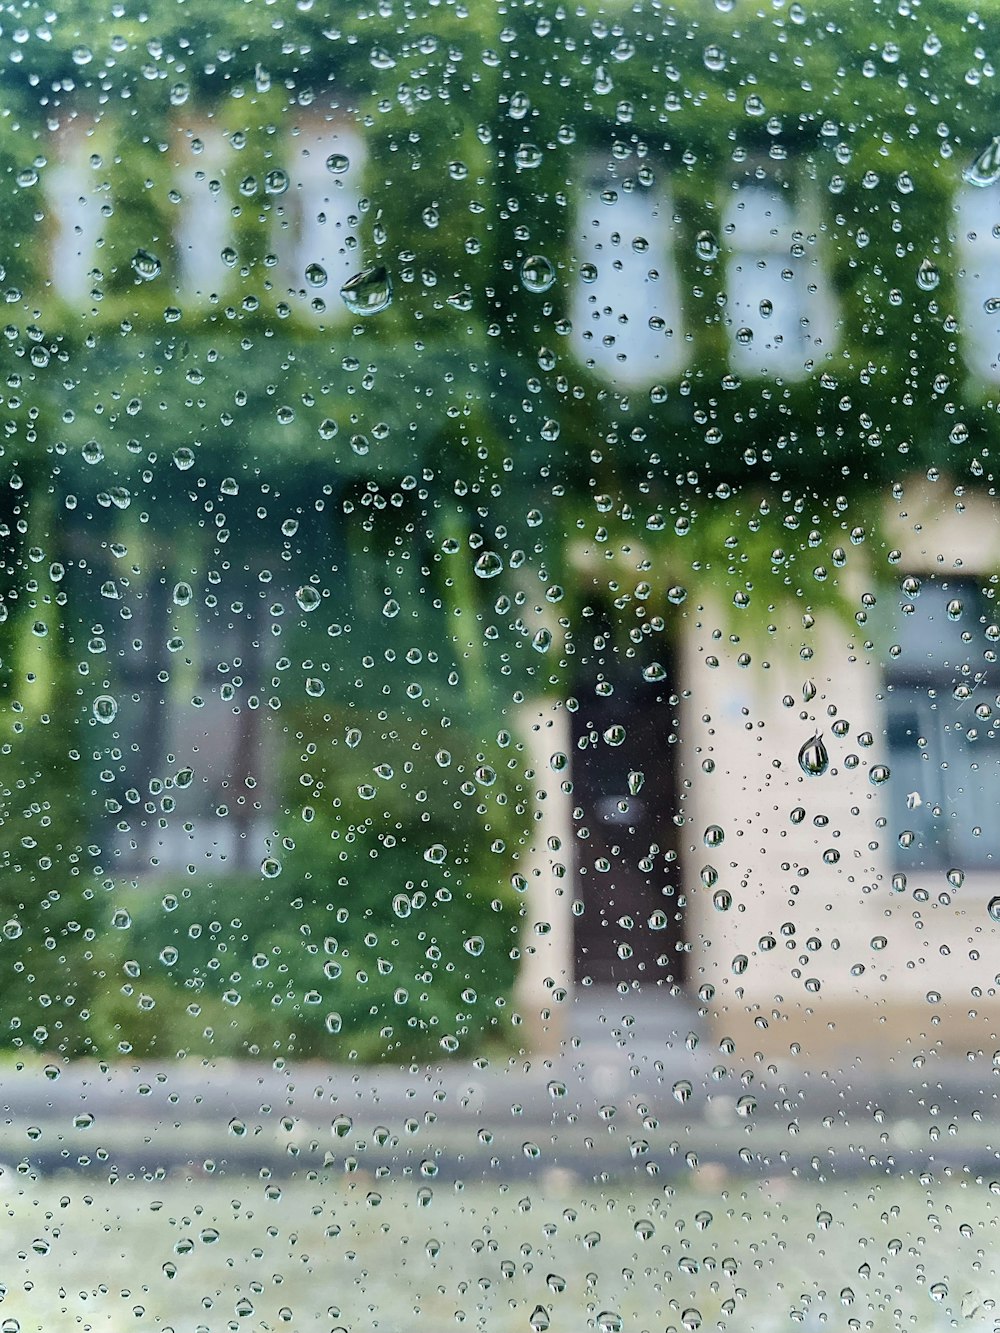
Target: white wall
(775, 868)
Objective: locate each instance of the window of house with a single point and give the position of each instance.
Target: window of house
(626, 310)
(204, 215)
(941, 688)
(778, 307)
(77, 206)
(978, 254)
(306, 205)
(321, 249)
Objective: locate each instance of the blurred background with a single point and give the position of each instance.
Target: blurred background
(456, 465)
(498, 651)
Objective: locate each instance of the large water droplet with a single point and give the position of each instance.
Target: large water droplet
(105, 708)
(813, 757)
(489, 565)
(714, 58)
(368, 292)
(985, 171)
(519, 105)
(146, 266)
(537, 274)
(706, 247)
(993, 907)
(928, 275)
(308, 597)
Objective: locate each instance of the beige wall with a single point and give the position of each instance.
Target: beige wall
(946, 946)
(893, 976)
(545, 978)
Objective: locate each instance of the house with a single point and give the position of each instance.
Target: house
(674, 439)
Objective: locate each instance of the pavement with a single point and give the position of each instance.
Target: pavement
(639, 1089)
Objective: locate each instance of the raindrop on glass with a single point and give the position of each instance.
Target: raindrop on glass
(489, 565)
(928, 275)
(105, 708)
(813, 757)
(368, 292)
(308, 597)
(985, 170)
(146, 266)
(537, 274)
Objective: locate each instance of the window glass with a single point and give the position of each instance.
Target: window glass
(942, 730)
(498, 666)
(779, 312)
(979, 258)
(204, 213)
(627, 314)
(75, 202)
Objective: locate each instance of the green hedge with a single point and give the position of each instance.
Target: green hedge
(383, 925)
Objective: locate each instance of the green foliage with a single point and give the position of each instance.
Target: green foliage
(709, 480)
(381, 926)
(48, 910)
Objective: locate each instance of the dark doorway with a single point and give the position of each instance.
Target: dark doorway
(628, 891)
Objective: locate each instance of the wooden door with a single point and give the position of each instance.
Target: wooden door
(627, 882)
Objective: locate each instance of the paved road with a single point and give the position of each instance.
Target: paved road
(646, 1096)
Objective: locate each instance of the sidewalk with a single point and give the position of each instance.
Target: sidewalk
(638, 1088)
